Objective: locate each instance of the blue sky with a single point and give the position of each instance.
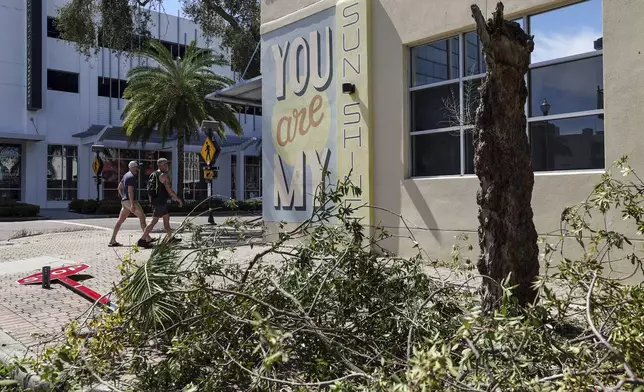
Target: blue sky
(172, 6)
(566, 31)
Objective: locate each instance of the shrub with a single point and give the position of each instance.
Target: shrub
(16, 209)
(338, 313)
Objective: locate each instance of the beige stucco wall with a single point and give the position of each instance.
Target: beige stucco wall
(442, 208)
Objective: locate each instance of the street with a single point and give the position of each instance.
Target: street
(69, 222)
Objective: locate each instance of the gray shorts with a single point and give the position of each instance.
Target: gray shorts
(159, 210)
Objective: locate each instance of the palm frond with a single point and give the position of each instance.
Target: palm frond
(151, 291)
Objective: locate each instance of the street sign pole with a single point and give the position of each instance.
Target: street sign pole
(211, 218)
(209, 152)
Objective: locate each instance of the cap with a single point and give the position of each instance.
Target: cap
(132, 164)
(161, 160)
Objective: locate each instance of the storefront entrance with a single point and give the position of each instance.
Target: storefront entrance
(10, 171)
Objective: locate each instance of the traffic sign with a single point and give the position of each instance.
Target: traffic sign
(62, 275)
(208, 174)
(209, 151)
(97, 165)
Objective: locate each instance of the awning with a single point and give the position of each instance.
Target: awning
(101, 133)
(246, 92)
(21, 136)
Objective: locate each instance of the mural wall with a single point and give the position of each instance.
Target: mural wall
(310, 125)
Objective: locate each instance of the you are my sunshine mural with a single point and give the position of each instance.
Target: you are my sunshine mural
(309, 125)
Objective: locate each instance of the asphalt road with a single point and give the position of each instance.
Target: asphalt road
(70, 224)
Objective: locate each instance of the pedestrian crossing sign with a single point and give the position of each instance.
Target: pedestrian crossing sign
(208, 151)
(209, 174)
(97, 166)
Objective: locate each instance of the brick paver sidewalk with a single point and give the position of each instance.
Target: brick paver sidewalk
(29, 309)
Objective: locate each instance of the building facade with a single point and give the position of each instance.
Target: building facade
(388, 88)
(57, 107)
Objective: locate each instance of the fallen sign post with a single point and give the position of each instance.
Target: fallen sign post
(62, 276)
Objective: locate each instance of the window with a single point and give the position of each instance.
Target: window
(62, 172)
(566, 99)
(443, 104)
(565, 107)
(111, 87)
(52, 30)
(115, 165)
(62, 81)
(253, 180)
(195, 187)
(10, 171)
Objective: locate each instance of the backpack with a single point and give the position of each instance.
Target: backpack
(153, 185)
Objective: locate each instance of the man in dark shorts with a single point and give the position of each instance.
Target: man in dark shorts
(160, 203)
(129, 204)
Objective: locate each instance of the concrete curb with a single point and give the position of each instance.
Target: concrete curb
(10, 350)
(24, 219)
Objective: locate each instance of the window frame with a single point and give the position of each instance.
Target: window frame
(525, 20)
(63, 156)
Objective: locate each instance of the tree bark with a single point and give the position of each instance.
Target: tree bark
(507, 236)
(181, 140)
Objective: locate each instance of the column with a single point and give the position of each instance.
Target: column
(241, 175)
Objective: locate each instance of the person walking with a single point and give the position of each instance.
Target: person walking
(129, 205)
(159, 190)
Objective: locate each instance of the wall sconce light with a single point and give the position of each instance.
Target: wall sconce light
(348, 88)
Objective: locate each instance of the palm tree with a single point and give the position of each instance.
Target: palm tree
(170, 97)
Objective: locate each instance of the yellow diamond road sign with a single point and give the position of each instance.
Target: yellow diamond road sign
(208, 174)
(96, 165)
(208, 151)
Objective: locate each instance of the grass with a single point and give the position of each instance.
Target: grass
(23, 233)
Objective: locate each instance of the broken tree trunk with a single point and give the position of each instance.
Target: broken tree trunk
(507, 236)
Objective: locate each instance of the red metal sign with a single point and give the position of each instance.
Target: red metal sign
(62, 275)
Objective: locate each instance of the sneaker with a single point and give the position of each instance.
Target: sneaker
(144, 244)
(175, 240)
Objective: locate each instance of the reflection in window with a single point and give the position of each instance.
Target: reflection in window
(62, 172)
(195, 187)
(10, 171)
(569, 87)
(569, 144)
(253, 172)
(567, 31)
(474, 60)
(435, 62)
(435, 107)
(436, 154)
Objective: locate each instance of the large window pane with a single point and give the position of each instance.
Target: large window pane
(70, 179)
(436, 154)
(567, 31)
(569, 87)
(570, 144)
(435, 62)
(474, 62)
(55, 169)
(10, 179)
(436, 107)
(471, 99)
(469, 151)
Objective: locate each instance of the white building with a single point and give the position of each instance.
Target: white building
(55, 104)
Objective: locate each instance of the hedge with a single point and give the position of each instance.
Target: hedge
(16, 209)
(111, 206)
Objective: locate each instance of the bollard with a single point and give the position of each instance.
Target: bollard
(46, 277)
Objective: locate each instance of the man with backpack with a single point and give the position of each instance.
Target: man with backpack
(129, 204)
(159, 190)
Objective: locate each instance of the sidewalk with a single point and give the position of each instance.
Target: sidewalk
(26, 310)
